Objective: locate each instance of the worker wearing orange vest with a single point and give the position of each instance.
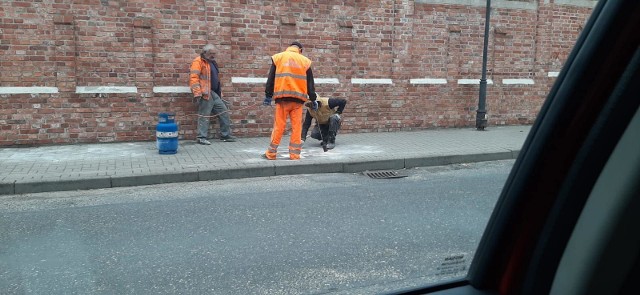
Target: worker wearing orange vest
(205, 86)
(290, 84)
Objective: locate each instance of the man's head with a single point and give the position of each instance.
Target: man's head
(208, 52)
(297, 44)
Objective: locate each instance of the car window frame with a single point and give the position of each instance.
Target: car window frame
(584, 116)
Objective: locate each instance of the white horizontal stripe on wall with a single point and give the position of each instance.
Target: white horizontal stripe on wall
(248, 80)
(28, 90)
(371, 81)
(510, 4)
(326, 81)
(106, 89)
(171, 89)
(252, 80)
(581, 3)
(428, 81)
(553, 74)
(472, 81)
(517, 81)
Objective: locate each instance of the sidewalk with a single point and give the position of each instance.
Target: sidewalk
(92, 166)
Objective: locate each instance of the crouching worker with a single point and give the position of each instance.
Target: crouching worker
(328, 120)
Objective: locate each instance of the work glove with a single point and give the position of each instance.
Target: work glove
(314, 105)
(227, 104)
(337, 116)
(267, 101)
(197, 99)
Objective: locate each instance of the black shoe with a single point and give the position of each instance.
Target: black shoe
(229, 138)
(324, 146)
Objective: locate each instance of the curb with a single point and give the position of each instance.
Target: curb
(89, 183)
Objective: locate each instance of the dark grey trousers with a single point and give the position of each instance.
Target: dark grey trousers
(326, 129)
(205, 108)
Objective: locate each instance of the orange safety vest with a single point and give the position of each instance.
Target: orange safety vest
(291, 74)
(200, 78)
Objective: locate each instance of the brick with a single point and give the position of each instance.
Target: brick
(63, 19)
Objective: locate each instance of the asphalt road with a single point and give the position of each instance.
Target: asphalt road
(304, 234)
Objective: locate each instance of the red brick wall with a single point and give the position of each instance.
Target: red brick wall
(144, 44)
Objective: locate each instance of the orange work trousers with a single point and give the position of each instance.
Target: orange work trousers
(293, 111)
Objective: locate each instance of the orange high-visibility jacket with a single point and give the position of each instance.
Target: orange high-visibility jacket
(200, 78)
(291, 74)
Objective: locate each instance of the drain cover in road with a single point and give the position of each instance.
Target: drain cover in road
(384, 174)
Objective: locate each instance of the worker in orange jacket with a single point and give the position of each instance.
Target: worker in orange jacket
(290, 84)
(206, 88)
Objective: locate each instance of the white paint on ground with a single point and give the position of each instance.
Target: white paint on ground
(553, 74)
(90, 152)
(313, 150)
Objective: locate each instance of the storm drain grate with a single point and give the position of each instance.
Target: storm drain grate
(384, 174)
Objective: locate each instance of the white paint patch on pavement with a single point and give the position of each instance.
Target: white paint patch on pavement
(340, 151)
(314, 150)
(127, 151)
(55, 154)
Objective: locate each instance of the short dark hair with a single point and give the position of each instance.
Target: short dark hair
(296, 43)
